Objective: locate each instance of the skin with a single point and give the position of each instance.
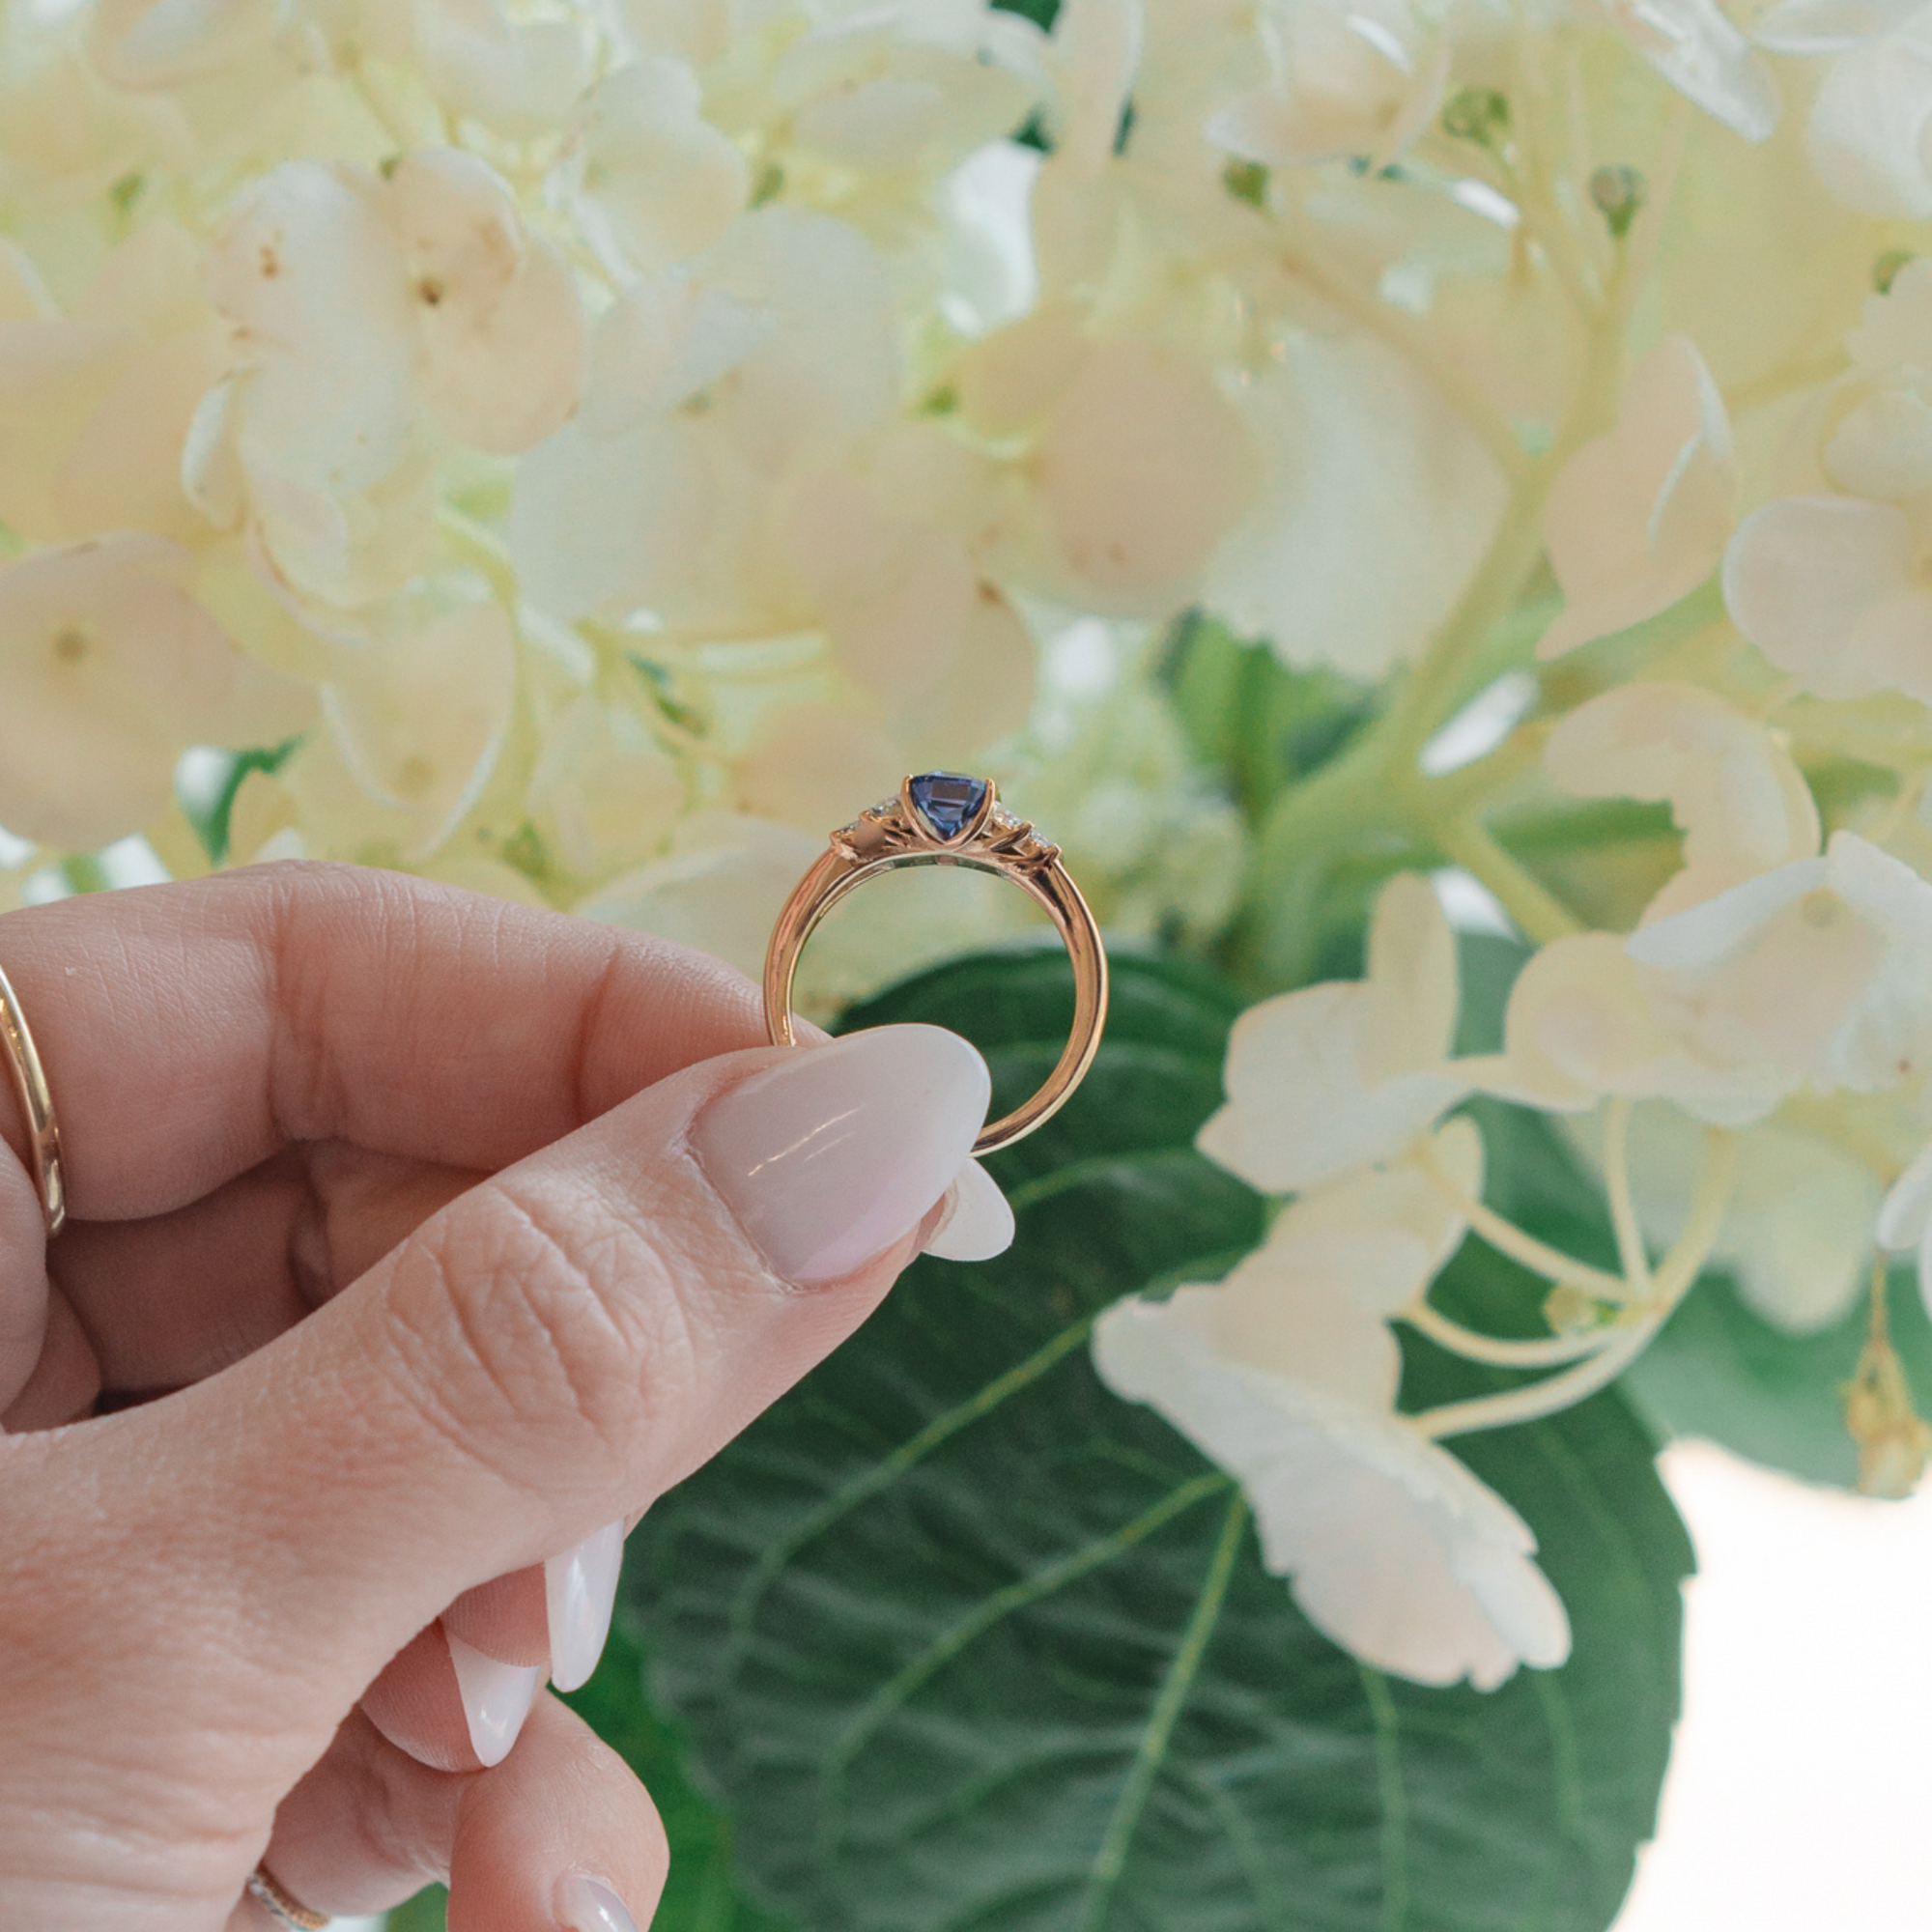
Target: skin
(390, 1272)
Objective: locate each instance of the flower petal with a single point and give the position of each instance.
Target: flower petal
(1392, 1547)
(1739, 801)
(1638, 517)
(1825, 587)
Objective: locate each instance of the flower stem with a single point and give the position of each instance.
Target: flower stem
(1545, 1353)
(1507, 1239)
(1680, 1268)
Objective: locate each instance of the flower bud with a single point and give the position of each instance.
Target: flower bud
(1619, 192)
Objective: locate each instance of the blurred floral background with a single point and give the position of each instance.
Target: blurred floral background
(1428, 502)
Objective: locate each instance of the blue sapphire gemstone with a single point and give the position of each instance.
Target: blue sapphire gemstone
(948, 802)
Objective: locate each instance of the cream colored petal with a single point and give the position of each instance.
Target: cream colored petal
(661, 180)
(719, 889)
(506, 376)
(111, 669)
(1695, 47)
(1144, 468)
(315, 281)
(1413, 984)
(660, 518)
(986, 692)
(895, 596)
(1581, 1023)
(1906, 1211)
(1868, 131)
(123, 468)
(1392, 1547)
(1638, 517)
(1883, 446)
(456, 223)
(1299, 1109)
(419, 721)
(814, 765)
(160, 44)
(519, 78)
(1826, 587)
(827, 372)
(1736, 794)
(604, 792)
(1286, 1311)
(1009, 379)
(1095, 56)
(1353, 444)
(1398, 1200)
(1895, 327)
(1814, 27)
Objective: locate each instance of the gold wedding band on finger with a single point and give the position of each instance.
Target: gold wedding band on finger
(37, 1106)
(946, 818)
(270, 1895)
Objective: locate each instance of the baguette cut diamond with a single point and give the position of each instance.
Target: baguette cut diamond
(947, 800)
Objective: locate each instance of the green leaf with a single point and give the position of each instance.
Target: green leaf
(960, 1640)
(1720, 1372)
(702, 1894)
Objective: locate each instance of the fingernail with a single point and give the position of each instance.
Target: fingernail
(496, 1697)
(977, 1224)
(838, 1151)
(580, 1592)
(583, 1905)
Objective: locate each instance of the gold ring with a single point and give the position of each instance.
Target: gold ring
(36, 1105)
(267, 1894)
(944, 818)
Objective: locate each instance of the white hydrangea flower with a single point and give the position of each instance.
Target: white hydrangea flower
(1737, 796)
(654, 182)
(371, 316)
(1352, 77)
(1352, 440)
(706, 396)
(112, 669)
(419, 717)
(520, 78)
(96, 405)
(1870, 128)
(1327, 1078)
(1819, 972)
(1285, 1374)
(604, 792)
(1640, 517)
(1797, 1233)
(1833, 587)
(1582, 1024)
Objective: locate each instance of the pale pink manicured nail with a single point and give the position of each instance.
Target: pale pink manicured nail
(583, 1905)
(977, 1223)
(838, 1151)
(496, 1697)
(580, 1592)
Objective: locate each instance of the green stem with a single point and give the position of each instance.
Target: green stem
(1110, 1861)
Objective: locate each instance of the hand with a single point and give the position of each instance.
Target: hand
(416, 1239)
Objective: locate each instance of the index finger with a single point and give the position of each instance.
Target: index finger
(190, 1030)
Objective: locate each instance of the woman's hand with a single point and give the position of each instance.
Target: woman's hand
(448, 1235)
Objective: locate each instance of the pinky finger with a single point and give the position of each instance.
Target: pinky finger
(559, 1835)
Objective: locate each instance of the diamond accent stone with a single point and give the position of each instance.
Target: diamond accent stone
(947, 800)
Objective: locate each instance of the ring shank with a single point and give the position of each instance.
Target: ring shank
(835, 876)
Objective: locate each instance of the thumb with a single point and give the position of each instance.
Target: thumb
(550, 1352)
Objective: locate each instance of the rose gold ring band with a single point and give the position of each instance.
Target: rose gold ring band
(37, 1108)
(944, 818)
(279, 1906)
